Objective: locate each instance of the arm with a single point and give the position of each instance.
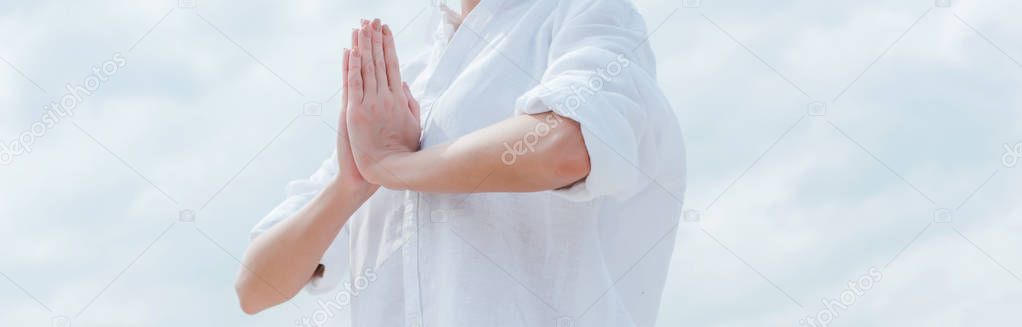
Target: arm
(525, 153)
(281, 261)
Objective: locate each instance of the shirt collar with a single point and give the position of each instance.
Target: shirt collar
(451, 20)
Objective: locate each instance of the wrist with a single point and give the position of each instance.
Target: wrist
(393, 170)
(351, 188)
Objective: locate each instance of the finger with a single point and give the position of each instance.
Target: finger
(347, 60)
(354, 78)
(354, 38)
(342, 120)
(390, 54)
(379, 61)
(413, 105)
(368, 71)
(344, 77)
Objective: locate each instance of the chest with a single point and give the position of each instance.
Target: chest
(473, 80)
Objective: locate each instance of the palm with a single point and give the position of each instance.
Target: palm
(382, 116)
(345, 158)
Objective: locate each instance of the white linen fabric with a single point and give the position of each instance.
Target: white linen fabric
(593, 254)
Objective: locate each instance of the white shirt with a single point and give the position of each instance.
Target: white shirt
(594, 254)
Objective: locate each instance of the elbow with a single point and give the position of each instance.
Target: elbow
(570, 162)
(572, 167)
(245, 298)
(249, 309)
(256, 294)
(250, 298)
(258, 285)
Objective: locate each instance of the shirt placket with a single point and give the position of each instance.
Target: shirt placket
(417, 235)
(439, 80)
(410, 262)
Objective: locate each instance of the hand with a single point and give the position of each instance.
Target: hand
(382, 116)
(348, 173)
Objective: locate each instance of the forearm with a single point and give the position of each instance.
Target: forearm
(281, 261)
(526, 153)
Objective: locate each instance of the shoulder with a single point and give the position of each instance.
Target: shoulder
(616, 8)
(597, 4)
(621, 13)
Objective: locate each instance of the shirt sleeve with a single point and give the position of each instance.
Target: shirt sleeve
(298, 194)
(601, 73)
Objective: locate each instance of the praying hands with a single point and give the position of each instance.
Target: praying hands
(379, 118)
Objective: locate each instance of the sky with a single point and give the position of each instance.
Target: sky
(850, 163)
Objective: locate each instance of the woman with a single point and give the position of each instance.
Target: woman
(525, 172)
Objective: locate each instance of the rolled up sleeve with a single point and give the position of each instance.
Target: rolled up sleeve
(601, 74)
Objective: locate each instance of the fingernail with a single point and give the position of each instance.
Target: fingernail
(386, 30)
